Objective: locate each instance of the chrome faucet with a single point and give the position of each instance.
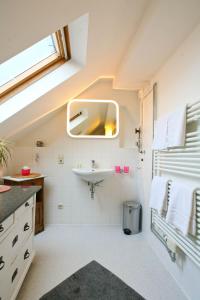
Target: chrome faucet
(93, 164)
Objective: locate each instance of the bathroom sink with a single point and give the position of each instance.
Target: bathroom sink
(93, 175)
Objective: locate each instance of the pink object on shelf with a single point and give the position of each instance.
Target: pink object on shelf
(4, 188)
(126, 169)
(25, 171)
(117, 169)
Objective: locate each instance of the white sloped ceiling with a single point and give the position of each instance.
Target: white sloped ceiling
(24, 22)
(128, 40)
(164, 26)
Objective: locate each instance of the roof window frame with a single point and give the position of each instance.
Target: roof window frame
(63, 54)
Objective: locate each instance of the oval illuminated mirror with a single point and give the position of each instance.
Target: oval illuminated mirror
(92, 118)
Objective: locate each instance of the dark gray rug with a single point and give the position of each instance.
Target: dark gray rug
(92, 282)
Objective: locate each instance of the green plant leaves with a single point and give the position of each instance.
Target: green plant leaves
(5, 153)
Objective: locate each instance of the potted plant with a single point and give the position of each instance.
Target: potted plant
(5, 154)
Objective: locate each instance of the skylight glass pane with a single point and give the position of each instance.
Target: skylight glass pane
(26, 59)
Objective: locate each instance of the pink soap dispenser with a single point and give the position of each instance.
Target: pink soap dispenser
(117, 169)
(126, 169)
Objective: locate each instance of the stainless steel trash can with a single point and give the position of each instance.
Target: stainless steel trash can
(132, 217)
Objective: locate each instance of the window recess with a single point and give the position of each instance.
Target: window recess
(34, 62)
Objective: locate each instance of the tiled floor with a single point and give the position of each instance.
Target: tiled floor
(62, 250)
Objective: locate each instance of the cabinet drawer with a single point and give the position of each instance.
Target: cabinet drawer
(26, 224)
(37, 181)
(17, 268)
(28, 182)
(5, 287)
(15, 272)
(21, 210)
(5, 225)
(4, 263)
(19, 234)
(13, 242)
(27, 252)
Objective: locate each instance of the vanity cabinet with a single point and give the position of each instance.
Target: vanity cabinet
(16, 248)
(39, 215)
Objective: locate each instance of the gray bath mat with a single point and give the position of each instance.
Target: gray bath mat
(92, 282)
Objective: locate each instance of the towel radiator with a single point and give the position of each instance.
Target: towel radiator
(181, 162)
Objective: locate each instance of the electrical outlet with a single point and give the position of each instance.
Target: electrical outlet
(60, 206)
(60, 159)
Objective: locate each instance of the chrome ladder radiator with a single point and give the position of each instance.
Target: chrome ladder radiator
(181, 162)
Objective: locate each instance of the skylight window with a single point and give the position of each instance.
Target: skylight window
(35, 59)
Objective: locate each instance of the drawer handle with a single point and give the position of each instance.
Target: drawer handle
(14, 274)
(2, 263)
(1, 228)
(27, 204)
(26, 254)
(15, 240)
(26, 227)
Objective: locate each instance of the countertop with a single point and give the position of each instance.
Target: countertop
(22, 179)
(14, 198)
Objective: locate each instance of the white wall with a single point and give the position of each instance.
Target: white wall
(145, 171)
(179, 83)
(61, 185)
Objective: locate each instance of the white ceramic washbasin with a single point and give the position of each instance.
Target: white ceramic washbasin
(93, 175)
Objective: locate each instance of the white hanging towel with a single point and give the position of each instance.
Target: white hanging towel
(160, 134)
(182, 208)
(176, 126)
(158, 197)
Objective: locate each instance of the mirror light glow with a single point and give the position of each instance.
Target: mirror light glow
(92, 118)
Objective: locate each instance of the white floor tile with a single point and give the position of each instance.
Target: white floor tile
(62, 250)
